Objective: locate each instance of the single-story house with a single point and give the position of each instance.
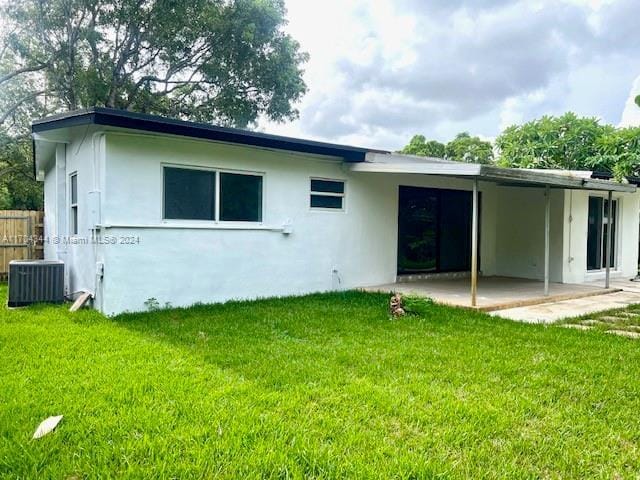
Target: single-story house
(147, 210)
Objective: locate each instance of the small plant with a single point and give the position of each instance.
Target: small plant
(414, 305)
(401, 305)
(152, 304)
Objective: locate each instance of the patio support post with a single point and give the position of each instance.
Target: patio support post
(474, 244)
(607, 261)
(547, 221)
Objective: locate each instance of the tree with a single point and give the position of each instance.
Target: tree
(18, 188)
(571, 143)
(637, 100)
(618, 153)
(222, 61)
(208, 60)
(420, 146)
(465, 148)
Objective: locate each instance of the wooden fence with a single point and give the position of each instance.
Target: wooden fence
(21, 233)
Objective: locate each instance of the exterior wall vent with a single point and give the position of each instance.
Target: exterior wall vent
(35, 281)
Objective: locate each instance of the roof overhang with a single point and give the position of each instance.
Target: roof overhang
(400, 164)
(156, 124)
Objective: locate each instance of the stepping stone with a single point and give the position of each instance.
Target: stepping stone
(576, 326)
(629, 314)
(591, 322)
(609, 319)
(624, 333)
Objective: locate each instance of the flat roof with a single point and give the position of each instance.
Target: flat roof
(157, 124)
(362, 159)
(391, 163)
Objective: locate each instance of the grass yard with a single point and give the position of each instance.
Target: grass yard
(324, 386)
(624, 321)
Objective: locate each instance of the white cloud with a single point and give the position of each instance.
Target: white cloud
(381, 71)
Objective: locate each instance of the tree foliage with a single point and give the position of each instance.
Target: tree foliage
(463, 148)
(419, 145)
(572, 143)
(207, 60)
(18, 188)
(222, 61)
(637, 100)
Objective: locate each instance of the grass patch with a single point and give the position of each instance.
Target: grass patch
(323, 386)
(617, 320)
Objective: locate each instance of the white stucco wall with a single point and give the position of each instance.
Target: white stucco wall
(575, 243)
(77, 251)
(520, 233)
(187, 262)
(187, 265)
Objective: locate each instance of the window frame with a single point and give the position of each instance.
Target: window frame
(216, 217)
(342, 195)
(617, 203)
(74, 228)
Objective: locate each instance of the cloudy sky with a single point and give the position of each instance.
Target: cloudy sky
(383, 70)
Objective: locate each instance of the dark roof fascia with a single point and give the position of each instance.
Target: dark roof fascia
(156, 124)
(633, 180)
(602, 175)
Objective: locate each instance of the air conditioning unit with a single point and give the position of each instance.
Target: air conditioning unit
(35, 281)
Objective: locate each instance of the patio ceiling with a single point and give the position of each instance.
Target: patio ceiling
(393, 163)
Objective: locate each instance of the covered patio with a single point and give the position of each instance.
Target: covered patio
(496, 291)
(493, 293)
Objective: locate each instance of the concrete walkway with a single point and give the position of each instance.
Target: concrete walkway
(554, 311)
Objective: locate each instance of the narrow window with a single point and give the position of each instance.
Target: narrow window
(327, 194)
(189, 194)
(597, 233)
(240, 197)
(73, 187)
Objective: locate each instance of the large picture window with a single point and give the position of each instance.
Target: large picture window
(240, 197)
(191, 194)
(597, 233)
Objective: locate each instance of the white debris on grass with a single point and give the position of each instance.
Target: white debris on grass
(47, 426)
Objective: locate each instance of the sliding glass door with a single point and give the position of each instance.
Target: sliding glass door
(434, 230)
(597, 233)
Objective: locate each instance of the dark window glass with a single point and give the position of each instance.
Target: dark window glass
(240, 197)
(74, 220)
(74, 188)
(327, 186)
(605, 227)
(455, 230)
(594, 234)
(324, 201)
(189, 194)
(434, 230)
(417, 230)
(597, 228)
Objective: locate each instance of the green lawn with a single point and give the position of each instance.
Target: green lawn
(620, 321)
(322, 386)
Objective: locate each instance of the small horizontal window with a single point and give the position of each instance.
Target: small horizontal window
(327, 186)
(321, 201)
(240, 197)
(189, 194)
(327, 194)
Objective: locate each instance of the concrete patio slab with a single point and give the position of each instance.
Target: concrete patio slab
(494, 293)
